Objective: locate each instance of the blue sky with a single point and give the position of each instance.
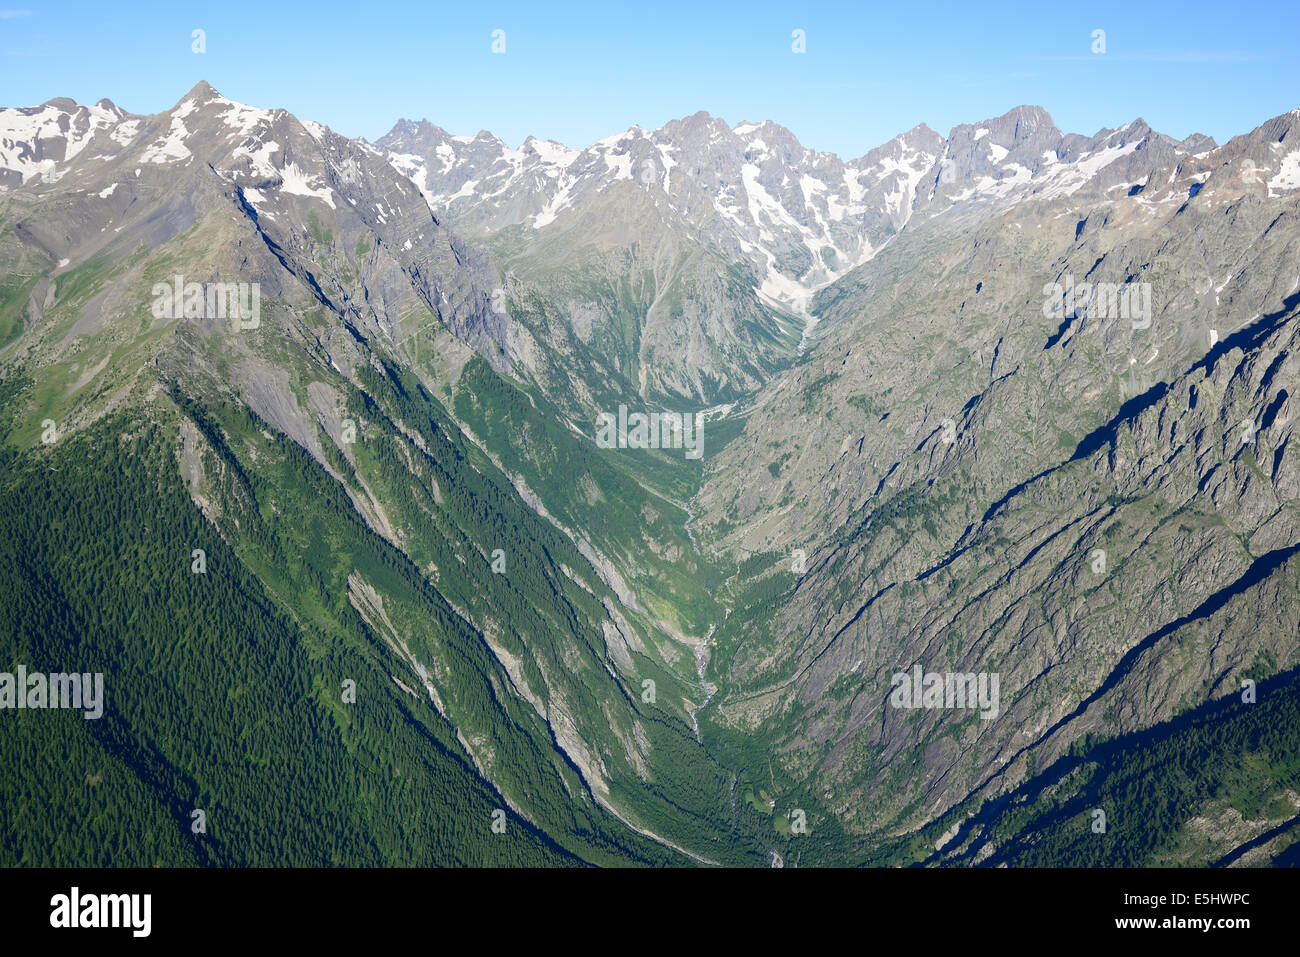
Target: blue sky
(578, 71)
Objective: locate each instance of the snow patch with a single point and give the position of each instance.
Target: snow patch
(240, 118)
(1288, 175)
(552, 153)
(561, 200)
(467, 189)
(125, 132)
(296, 182)
(260, 157)
(171, 148)
(256, 198)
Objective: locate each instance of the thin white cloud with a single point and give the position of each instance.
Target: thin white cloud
(1184, 57)
(14, 14)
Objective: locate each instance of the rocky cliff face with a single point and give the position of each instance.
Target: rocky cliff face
(986, 479)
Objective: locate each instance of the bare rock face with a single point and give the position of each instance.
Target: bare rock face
(765, 222)
(1085, 503)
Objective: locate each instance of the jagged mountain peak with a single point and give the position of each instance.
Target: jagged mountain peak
(201, 92)
(1013, 129)
(1028, 118)
(405, 127)
(37, 142)
(698, 129)
(1198, 143)
(312, 214)
(771, 139)
(66, 104)
(919, 139)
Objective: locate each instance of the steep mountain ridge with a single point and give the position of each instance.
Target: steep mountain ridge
(799, 217)
(344, 392)
(34, 141)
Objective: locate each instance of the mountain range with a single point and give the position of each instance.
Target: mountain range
(1010, 403)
